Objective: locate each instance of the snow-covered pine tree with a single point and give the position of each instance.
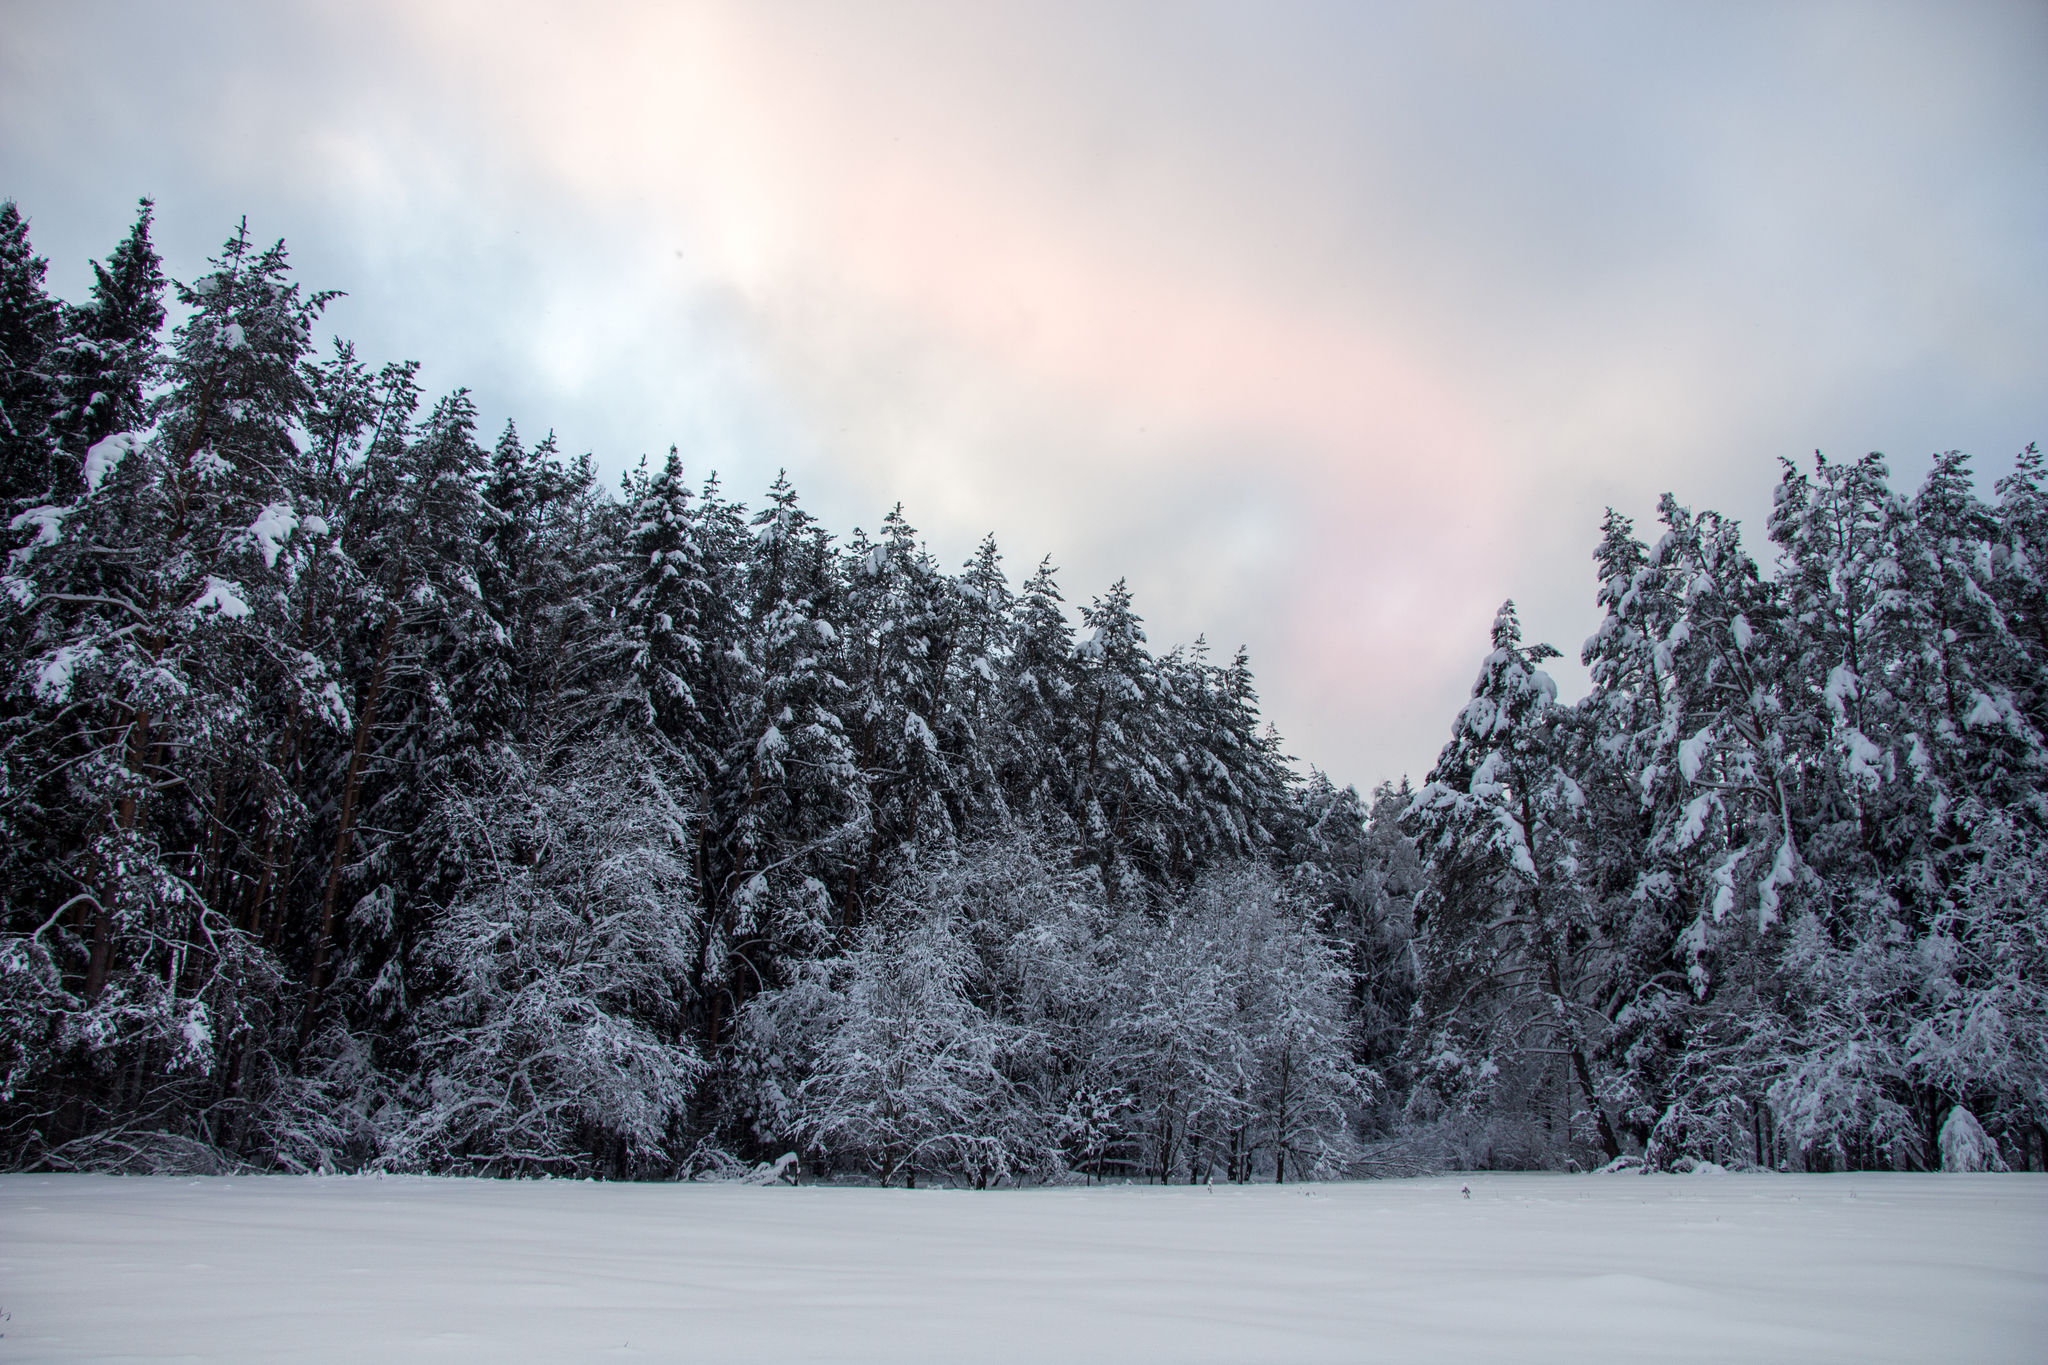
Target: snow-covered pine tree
(1362, 876)
(550, 557)
(1227, 779)
(105, 354)
(414, 521)
(1121, 762)
(1035, 751)
(903, 622)
(1511, 953)
(149, 606)
(1653, 843)
(977, 720)
(666, 665)
(783, 807)
(29, 326)
(1947, 801)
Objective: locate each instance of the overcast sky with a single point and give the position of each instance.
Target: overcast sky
(1326, 326)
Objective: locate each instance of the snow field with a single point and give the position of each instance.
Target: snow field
(1530, 1268)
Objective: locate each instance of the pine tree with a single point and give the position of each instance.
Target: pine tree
(1508, 942)
(666, 662)
(903, 625)
(1035, 757)
(1363, 876)
(1118, 793)
(105, 356)
(433, 685)
(783, 805)
(29, 327)
(149, 609)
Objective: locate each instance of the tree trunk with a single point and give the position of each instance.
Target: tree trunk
(252, 904)
(366, 717)
(1284, 1128)
(102, 952)
(213, 862)
(1608, 1141)
(124, 820)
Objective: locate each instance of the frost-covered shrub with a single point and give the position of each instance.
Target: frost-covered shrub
(1225, 1023)
(998, 1020)
(1965, 1146)
(897, 1068)
(557, 1042)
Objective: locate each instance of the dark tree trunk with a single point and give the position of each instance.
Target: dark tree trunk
(124, 819)
(1608, 1142)
(366, 718)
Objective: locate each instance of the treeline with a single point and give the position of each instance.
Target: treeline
(374, 797)
(1776, 892)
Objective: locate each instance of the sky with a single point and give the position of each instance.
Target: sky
(1327, 327)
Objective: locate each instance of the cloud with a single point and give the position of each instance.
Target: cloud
(1327, 326)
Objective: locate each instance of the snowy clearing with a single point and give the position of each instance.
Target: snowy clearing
(1862, 1268)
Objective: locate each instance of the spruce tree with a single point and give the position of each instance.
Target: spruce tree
(106, 355)
(1512, 954)
(30, 323)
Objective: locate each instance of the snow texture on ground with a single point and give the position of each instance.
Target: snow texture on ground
(1530, 1268)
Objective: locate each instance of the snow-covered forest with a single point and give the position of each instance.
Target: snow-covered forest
(376, 792)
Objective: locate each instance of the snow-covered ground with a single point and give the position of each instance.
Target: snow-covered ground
(1530, 1268)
